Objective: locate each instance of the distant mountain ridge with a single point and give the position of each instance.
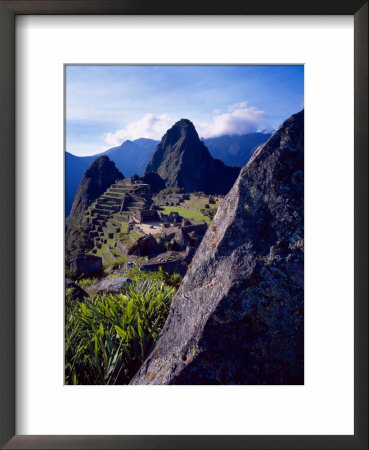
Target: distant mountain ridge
(132, 157)
(235, 150)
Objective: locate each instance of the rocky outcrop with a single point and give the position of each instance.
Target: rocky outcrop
(237, 317)
(183, 161)
(145, 246)
(181, 240)
(87, 265)
(109, 286)
(170, 264)
(154, 180)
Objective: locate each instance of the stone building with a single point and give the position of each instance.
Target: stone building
(146, 215)
(174, 217)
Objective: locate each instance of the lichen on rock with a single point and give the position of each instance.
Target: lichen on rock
(238, 316)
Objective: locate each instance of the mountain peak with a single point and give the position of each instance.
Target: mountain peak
(99, 175)
(184, 123)
(101, 161)
(182, 160)
(184, 129)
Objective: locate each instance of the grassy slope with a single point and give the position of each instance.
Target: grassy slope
(187, 213)
(199, 203)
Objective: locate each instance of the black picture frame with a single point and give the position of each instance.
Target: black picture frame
(8, 11)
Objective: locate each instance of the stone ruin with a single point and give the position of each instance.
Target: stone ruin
(127, 201)
(146, 215)
(106, 215)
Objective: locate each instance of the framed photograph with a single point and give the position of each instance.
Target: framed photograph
(185, 233)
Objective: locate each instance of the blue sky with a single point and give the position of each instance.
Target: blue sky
(106, 105)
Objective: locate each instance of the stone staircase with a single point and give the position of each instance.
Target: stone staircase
(109, 215)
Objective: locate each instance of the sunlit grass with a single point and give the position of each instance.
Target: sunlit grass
(135, 234)
(187, 213)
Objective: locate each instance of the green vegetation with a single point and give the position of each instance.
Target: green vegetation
(172, 280)
(118, 255)
(77, 240)
(210, 212)
(198, 203)
(187, 213)
(124, 227)
(107, 337)
(69, 273)
(86, 282)
(103, 252)
(135, 234)
(125, 239)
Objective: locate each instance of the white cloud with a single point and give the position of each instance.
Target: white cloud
(239, 105)
(239, 120)
(150, 127)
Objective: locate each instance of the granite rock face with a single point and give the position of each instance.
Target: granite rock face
(238, 316)
(183, 161)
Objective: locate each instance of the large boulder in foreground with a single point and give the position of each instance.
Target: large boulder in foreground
(237, 317)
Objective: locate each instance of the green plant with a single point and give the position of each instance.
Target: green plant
(107, 337)
(173, 280)
(70, 273)
(86, 282)
(209, 212)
